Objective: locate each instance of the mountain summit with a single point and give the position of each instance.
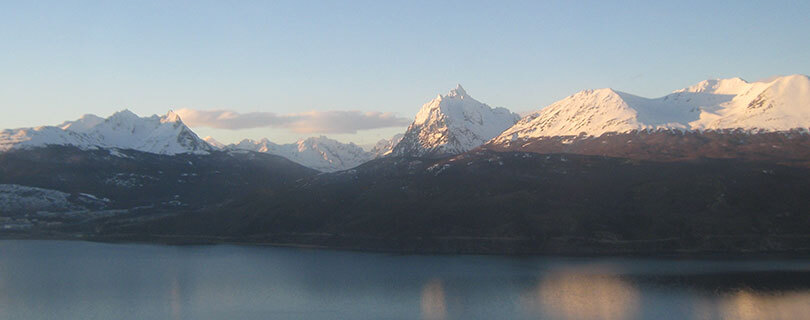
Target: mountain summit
(123, 130)
(452, 124)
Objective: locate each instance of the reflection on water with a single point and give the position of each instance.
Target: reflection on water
(81, 280)
(3, 297)
(174, 299)
(584, 294)
(750, 305)
(433, 301)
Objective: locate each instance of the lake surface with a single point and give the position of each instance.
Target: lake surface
(83, 280)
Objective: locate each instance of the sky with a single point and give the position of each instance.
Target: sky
(360, 70)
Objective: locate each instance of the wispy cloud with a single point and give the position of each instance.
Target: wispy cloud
(305, 122)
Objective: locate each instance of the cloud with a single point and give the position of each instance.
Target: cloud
(305, 122)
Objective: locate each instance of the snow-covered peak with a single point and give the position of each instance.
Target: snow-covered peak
(780, 104)
(123, 130)
(214, 143)
(458, 92)
(384, 147)
(172, 117)
(262, 145)
(320, 153)
(717, 86)
(83, 124)
(591, 111)
(123, 116)
(453, 123)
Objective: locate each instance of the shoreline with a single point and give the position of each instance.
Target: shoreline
(186, 240)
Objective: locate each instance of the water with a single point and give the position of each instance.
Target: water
(82, 280)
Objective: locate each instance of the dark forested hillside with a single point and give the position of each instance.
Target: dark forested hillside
(131, 178)
(520, 202)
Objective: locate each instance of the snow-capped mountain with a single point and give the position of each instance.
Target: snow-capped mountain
(452, 124)
(384, 147)
(123, 130)
(319, 153)
(777, 104)
(214, 143)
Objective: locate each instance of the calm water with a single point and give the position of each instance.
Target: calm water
(81, 280)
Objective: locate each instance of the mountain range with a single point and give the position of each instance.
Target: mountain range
(455, 122)
(319, 153)
(123, 130)
(777, 104)
(715, 167)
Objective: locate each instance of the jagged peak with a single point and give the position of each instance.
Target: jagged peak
(313, 140)
(458, 92)
(171, 116)
(252, 141)
(455, 99)
(318, 152)
(323, 140)
(452, 124)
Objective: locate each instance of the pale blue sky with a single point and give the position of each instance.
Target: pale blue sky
(62, 59)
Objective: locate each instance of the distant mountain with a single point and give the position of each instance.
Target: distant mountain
(214, 143)
(83, 124)
(384, 147)
(123, 130)
(778, 104)
(452, 124)
(320, 153)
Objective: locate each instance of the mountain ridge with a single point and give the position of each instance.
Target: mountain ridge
(320, 153)
(781, 104)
